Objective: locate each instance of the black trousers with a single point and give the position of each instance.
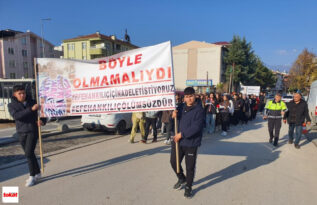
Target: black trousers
(244, 117)
(236, 117)
(169, 129)
(28, 142)
(274, 124)
(148, 123)
(225, 121)
(190, 154)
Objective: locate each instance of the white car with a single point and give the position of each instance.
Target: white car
(287, 98)
(118, 122)
(312, 103)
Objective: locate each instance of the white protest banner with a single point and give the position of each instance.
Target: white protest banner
(132, 81)
(250, 90)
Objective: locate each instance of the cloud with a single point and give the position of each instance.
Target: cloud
(285, 52)
(282, 52)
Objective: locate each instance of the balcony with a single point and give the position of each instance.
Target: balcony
(97, 51)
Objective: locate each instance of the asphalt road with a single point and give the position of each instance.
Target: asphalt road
(7, 132)
(242, 168)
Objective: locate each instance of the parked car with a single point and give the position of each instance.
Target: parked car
(312, 102)
(118, 122)
(287, 98)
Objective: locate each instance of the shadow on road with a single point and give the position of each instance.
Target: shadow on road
(257, 155)
(107, 163)
(18, 171)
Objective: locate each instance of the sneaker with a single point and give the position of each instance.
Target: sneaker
(290, 141)
(188, 192)
(271, 140)
(38, 176)
(297, 146)
(30, 181)
(154, 140)
(275, 144)
(165, 141)
(168, 142)
(143, 141)
(179, 184)
(131, 141)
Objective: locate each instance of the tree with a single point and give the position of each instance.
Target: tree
(303, 71)
(263, 76)
(245, 67)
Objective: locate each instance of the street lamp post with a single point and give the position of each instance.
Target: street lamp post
(42, 34)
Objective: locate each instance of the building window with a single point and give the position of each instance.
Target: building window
(23, 41)
(118, 47)
(108, 46)
(11, 51)
(26, 72)
(25, 65)
(12, 75)
(71, 46)
(84, 45)
(24, 53)
(12, 64)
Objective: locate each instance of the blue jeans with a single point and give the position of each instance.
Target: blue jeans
(298, 132)
(210, 122)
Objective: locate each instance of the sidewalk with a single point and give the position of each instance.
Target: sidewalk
(242, 168)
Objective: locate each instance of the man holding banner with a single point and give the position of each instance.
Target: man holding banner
(189, 137)
(24, 112)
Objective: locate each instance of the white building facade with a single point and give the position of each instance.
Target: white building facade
(195, 62)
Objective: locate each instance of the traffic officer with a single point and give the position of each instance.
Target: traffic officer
(274, 111)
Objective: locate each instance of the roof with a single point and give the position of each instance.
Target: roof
(12, 33)
(200, 44)
(222, 43)
(8, 33)
(101, 36)
(194, 44)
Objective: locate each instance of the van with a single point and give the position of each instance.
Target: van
(312, 102)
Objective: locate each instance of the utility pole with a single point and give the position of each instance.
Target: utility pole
(207, 83)
(42, 34)
(230, 81)
(233, 65)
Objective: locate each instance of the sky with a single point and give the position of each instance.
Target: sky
(278, 29)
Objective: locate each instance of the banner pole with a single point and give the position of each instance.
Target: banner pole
(38, 114)
(177, 148)
(176, 125)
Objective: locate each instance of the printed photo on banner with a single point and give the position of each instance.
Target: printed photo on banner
(132, 81)
(55, 89)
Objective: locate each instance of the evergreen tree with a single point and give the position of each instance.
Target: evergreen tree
(248, 68)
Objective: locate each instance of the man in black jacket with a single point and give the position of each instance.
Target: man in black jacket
(24, 112)
(296, 115)
(189, 135)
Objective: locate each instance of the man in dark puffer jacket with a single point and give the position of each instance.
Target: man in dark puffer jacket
(24, 112)
(189, 136)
